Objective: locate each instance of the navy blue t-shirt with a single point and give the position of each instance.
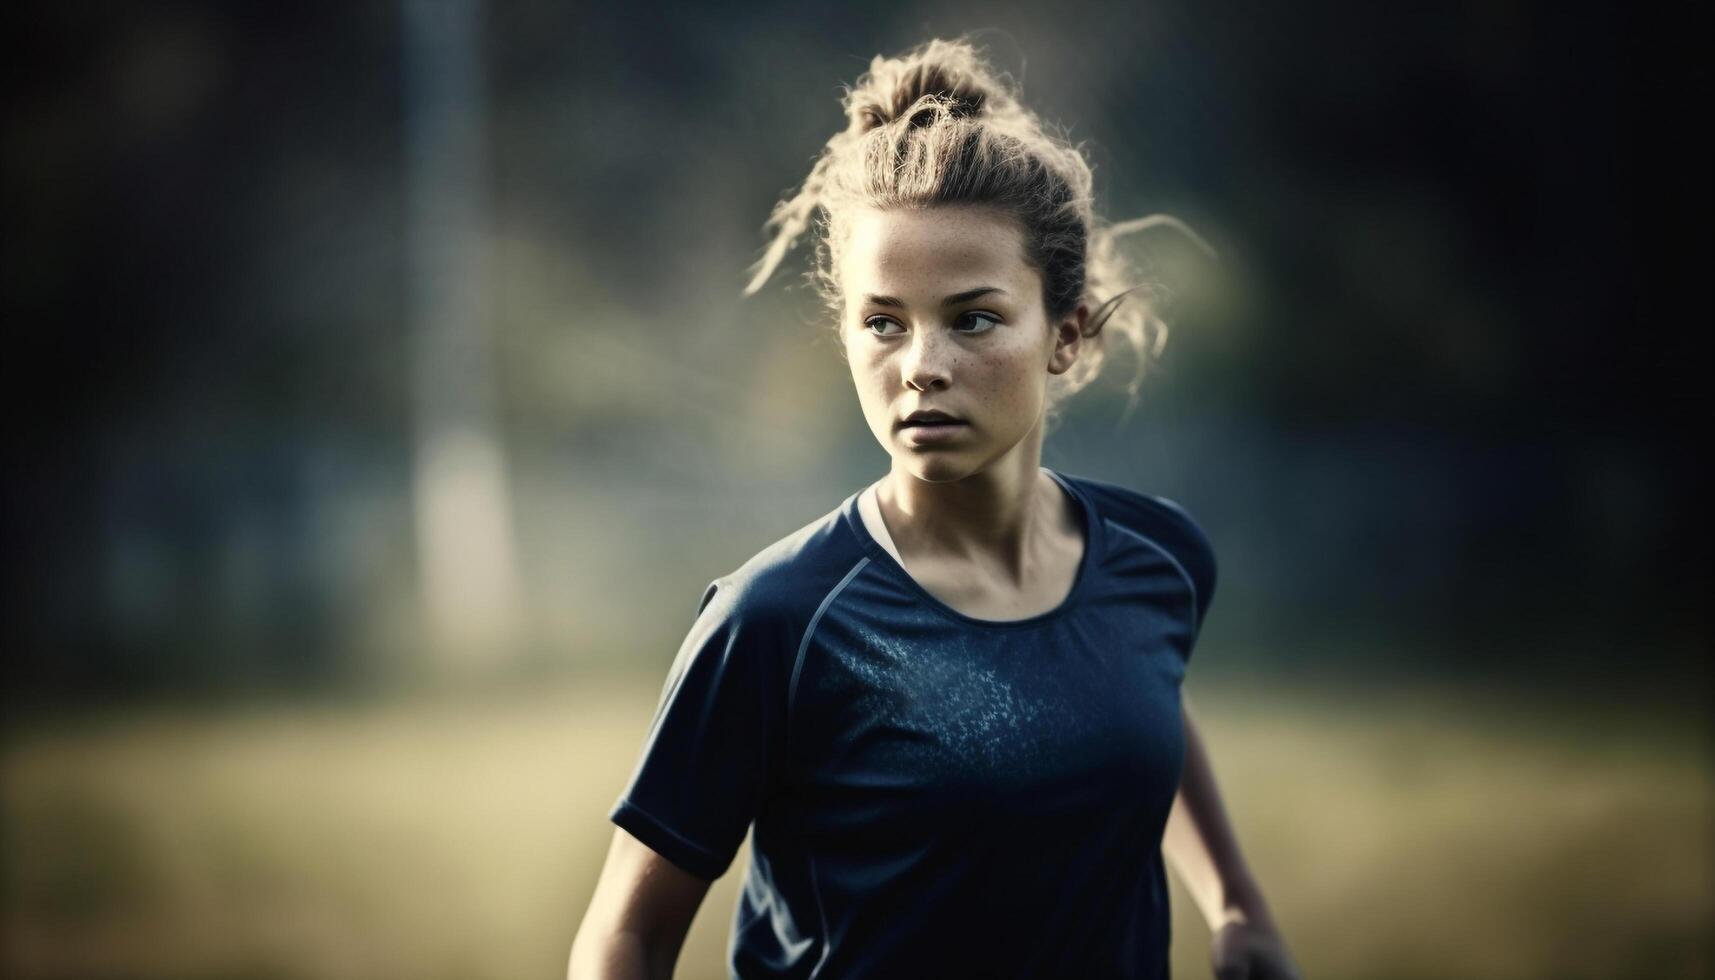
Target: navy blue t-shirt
(933, 794)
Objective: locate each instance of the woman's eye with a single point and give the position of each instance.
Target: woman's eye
(984, 322)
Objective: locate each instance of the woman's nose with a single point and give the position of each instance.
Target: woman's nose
(927, 361)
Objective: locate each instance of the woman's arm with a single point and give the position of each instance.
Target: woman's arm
(637, 919)
(1203, 850)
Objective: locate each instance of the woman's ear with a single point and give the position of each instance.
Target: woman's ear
(1068, 337)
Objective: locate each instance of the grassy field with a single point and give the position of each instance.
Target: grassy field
(1407, 834)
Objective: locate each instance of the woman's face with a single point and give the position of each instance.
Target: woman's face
(942, 313)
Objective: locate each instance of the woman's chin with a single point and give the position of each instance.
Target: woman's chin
(940, 465)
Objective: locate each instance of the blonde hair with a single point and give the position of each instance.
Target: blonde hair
(938, 126)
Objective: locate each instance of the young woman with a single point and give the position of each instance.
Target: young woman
(950, 708)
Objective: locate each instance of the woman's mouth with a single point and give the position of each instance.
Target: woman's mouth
(938, 430)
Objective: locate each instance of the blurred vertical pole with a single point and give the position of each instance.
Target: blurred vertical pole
(470, 580)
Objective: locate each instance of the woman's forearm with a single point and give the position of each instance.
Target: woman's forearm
(619, 956)
(1201, 846)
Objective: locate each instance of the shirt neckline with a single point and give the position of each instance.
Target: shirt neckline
(1092, 544)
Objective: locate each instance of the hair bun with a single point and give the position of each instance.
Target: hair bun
(951, 73)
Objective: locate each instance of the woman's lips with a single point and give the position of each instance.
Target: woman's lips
(924, 432)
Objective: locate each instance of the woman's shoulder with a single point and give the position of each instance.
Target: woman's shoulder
(791, 576)
(1159, 520)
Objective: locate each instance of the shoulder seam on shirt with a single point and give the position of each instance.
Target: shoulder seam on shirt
(1190, 583)
(810, 630)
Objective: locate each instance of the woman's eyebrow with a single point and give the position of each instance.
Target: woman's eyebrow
(952, 300)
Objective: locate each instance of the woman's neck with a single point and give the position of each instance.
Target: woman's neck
(997, 518)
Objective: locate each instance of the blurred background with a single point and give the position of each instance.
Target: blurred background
(383, 400)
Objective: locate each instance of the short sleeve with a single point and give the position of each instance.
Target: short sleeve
(706, 760)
